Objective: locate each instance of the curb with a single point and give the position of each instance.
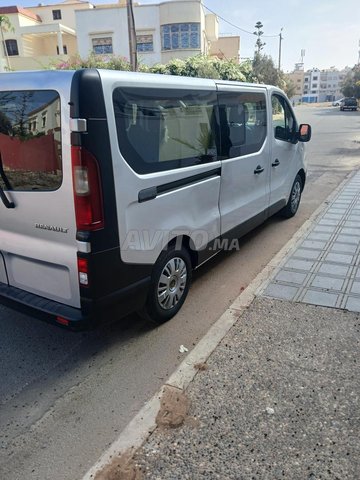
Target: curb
(143, 424)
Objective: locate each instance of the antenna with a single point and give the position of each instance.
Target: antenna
(303, 55)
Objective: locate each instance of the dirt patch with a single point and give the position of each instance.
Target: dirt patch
(121, 468)
(174, 407)
(201, 367)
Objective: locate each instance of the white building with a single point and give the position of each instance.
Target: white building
(177, 29)
(323, 85)
(39, 35)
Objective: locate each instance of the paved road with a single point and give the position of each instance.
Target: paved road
(64, 397)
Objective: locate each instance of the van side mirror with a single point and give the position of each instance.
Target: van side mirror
(304, 132)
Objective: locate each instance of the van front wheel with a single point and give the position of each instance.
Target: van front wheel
(292, 206)
(170, 283)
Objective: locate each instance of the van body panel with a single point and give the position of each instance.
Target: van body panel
(244, 193)
(145, 228)
(210, 176)
(38, 236)
(287, 158)
(283, 175)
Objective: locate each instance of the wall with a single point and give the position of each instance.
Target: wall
(148, 19)
(39, 62)
(226, 47)
(37, 155)
(67, 12)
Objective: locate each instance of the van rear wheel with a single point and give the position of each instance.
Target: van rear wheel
(292, 206)
(170, 283)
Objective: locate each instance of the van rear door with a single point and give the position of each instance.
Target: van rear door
(38, 236)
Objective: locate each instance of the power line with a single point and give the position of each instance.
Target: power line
(236, 26)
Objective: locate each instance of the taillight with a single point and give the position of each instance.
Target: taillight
(87, 190)
(83, 271)
(63, 321)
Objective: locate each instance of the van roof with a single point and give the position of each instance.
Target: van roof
(32, 79)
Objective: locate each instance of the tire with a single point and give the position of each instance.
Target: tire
(292, 206)
(170, 283)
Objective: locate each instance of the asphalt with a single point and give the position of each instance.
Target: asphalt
(278, 398)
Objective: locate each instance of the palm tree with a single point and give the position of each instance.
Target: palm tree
(5, 26)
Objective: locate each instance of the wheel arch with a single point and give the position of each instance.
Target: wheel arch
(184, 241)
(302, 175)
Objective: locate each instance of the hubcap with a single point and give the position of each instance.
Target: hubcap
(295, 196)
(172, 283)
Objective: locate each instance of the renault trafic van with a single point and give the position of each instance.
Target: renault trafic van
(116, 185)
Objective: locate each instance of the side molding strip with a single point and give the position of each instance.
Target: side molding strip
(152, 192)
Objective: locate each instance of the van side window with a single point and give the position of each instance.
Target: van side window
(161, 130)
(30, 140)
(243, 123)
(284, 122)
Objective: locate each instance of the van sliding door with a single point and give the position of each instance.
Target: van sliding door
(244, 195)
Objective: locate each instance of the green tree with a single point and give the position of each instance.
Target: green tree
(203, 66)
(290, 87)
(351, 84)
(259, 45)
(264, 71)
(5, 124)
(109, 62)
(5, 26)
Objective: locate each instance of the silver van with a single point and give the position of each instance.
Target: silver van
(116, 185)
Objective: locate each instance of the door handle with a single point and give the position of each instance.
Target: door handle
(258, 169)
(276, 163)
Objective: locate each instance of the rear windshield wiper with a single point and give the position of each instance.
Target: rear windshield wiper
(3, 197)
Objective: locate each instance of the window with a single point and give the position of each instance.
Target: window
(102, 45)
(284, 122)
(64, 50)
(11, 47)
(180, 35)
(243, 123)
(56, 14)
(306, 79)
(314, 85)
(315, 78)
(30, 140)
(144, 43)
(161, 130)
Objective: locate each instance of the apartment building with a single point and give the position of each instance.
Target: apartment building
(317, 85)
(39, 35)
(323, 85)
(177, 29)
(297, 78)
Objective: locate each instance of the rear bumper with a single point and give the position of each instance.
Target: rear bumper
(126, 300)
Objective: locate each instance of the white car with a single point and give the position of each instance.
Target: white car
(336, 103)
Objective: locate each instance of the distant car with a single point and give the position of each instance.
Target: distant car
(349, 103)
(336, 103)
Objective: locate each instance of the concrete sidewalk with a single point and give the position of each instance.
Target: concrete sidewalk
(278, 398)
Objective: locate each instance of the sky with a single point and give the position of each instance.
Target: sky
(328, 30)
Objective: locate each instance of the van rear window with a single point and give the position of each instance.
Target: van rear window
(30, 140)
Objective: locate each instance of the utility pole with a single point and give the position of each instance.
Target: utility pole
(132, 35)
(280, 40)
